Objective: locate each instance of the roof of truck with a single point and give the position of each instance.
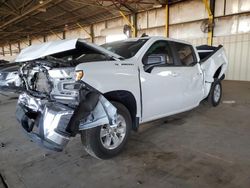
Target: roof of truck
(158, 38)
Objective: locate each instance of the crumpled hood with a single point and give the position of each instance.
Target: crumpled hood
(49, 48)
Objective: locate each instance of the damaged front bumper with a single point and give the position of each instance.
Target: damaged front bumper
(52, 124)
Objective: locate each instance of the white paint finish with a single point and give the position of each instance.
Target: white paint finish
(186, 31)
(165, 91)
(187, 80)
(187, 11)
(142, 20)
(237, 48)
(98, 28)
(192, 86)
(170, 90)
(156, 17)
(232, 25)
(210, 66)
(161, 92)
(237, 6)
(112, 76)
(49, 48)
(45, 49)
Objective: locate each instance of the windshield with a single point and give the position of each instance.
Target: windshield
(126, 49)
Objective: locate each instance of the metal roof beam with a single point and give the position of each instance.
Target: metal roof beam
(24, 14)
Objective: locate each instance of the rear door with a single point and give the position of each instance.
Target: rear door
(189, 71)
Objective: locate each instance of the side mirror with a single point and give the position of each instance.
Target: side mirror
(154, 60)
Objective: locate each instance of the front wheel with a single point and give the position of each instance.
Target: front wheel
(215, 94)
(107, 141)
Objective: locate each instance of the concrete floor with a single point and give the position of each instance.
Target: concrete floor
(205, 147)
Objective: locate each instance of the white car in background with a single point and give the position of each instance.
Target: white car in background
(102, 92)
(9, 78)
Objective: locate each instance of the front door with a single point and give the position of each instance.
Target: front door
(161, 83)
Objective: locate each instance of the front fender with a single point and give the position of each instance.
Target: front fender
(113, 76)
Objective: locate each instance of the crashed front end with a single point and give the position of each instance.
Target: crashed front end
(55, 107)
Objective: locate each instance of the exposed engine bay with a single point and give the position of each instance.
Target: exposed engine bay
(54, 106)
(49, 80)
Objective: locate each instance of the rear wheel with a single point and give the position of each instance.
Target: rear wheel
(215, 94)
(107, 141)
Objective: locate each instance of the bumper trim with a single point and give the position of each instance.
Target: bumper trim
(47, 121)
(44, 143)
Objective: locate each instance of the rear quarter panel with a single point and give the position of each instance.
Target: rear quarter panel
(211, 65)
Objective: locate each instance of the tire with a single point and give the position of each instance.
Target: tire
(95, 145)
(215, 94)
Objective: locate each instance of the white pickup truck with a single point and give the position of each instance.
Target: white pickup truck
(104, 92)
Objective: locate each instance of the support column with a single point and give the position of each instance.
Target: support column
(3, 51)
(57, 35)
(134, 19)
(133, 28)
(92, 33)
(167, 20)
(44, 38)
(210, 10)
(19, 46)
(10, 49)
(64, 35)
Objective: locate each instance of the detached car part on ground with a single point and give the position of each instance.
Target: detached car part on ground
(9, 77)
(72, 87)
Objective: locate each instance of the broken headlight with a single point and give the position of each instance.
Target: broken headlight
(65, 89)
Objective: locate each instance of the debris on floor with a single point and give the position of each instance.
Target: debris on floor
(229, 102)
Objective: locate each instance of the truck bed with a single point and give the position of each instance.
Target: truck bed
(206, 51)
(213, 64)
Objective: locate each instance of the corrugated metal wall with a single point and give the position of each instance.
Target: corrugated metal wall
(238, 52)
(232, 29)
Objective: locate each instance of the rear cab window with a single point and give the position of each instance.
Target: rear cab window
(185, 54)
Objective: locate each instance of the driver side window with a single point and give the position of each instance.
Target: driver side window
(158, 53)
